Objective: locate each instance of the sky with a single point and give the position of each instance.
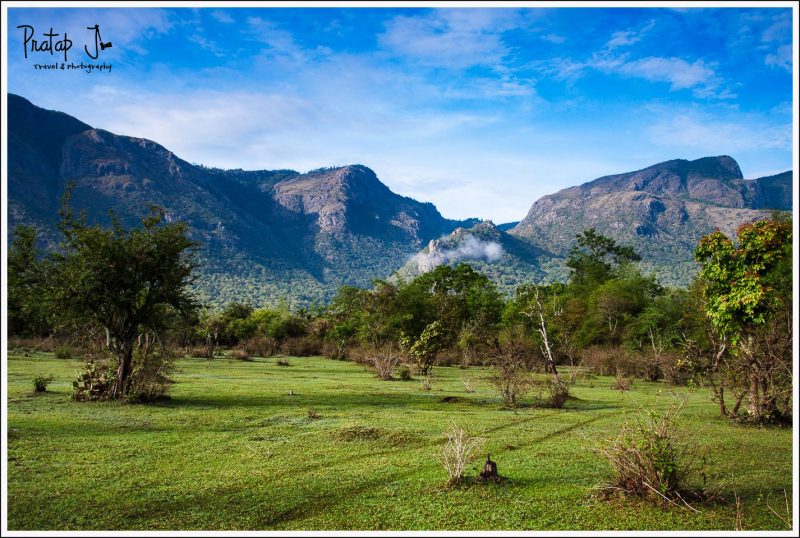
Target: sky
(479, 110)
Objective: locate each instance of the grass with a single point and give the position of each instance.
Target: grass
(233, 450)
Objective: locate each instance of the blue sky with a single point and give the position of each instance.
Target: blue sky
(480, 111)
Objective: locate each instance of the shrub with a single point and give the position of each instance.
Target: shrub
(302, 346)
(427, 382)
(404, 372)
(621, 383)
(385, 362)
(149, 381)
(40, 382)
(609, 361)
(94, 381)
(201, 352)
(649, 458)
(468, 386)
(559, 393)
(260, 346)
(513, 380)
(457, 453)
(64, 352)
(282, 362)
(241, 354)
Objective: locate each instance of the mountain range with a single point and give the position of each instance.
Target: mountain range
(272, 234)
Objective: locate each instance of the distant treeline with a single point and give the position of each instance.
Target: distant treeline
(122, 291)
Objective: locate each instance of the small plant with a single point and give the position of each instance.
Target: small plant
(457, 453)
(241, 354)
(404, 373)
(282, 362)
(649, 459)
(468, 386)
(559, 393)
(40, 382)
(93, 382)
(313, 414)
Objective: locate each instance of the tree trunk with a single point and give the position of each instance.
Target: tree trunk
(125, 358)
(721, 396)
(754, 402)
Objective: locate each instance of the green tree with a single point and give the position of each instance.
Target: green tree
(594, 259)
(748, 296)
(128, 282)
(28, 274)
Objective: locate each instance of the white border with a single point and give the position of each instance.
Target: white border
(372, 4)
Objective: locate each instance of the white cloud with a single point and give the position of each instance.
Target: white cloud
(621, 39)
(450, 38)
(707, 135)
(781, 58)
(468, 248)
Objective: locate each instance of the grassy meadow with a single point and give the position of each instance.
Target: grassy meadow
(236, 448)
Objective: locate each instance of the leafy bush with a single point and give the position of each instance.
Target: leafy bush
(649, 458)
(40, 382)
(149, 381)
(404, 372)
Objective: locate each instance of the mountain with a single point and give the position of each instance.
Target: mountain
(661, 211)
(264, 234)
(271, 234)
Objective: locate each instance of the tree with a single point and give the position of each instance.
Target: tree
(27, 280)
(126, 281)
(748, 301)
(425, 348)
(594, 258)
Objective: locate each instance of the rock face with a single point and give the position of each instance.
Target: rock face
(264, 234)
(661, 210)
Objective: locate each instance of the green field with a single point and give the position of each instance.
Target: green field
(234, 450)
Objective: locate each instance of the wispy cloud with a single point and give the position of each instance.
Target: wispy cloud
(452, 38)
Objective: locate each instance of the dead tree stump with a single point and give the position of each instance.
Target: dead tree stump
(489, 470)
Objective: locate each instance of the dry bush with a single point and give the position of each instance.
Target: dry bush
(468, 384)
(559, 393)
(282, 362)
(609, 361)
(200, 352)
(621, 383)
(427, 382)
(33, 344)
(651, 458)
(458, 451)
(302, 346)
(260, 346)
(513, 380)
(449, 357)
(385, 362)
(241, 354)
(673, 370)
